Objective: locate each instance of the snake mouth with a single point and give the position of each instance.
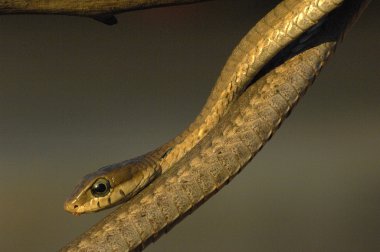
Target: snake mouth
(72, 208)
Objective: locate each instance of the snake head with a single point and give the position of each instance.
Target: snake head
(110, 185)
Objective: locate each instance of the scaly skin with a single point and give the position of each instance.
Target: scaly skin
(240, 134)
(284, 24)
(274, 32)
(205, 169)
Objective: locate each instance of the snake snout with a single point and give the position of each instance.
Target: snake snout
(71, 207)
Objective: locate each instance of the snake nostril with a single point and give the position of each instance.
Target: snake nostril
(75, 206)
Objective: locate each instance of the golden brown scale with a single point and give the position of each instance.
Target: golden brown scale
(274, 32)
(248, 124)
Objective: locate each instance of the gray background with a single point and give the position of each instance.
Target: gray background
(76, 95)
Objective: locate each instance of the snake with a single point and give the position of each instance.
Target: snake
(282, 32)
(264, 78)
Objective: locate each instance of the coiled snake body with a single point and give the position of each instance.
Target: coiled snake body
(261, 82)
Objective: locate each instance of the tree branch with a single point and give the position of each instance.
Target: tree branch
(83, 7)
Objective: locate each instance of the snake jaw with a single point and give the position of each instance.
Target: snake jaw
(69, 208)
(72, 207)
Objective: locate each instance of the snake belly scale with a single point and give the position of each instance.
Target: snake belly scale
(117, 183)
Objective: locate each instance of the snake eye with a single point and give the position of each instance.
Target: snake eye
(101, 187)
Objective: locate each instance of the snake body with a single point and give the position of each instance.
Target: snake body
(279, 28)
(250, 119)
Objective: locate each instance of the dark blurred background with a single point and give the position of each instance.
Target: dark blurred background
(76, 95)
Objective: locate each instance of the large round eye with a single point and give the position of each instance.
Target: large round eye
(101, 187)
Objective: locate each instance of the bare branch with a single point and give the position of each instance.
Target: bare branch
(83, 7)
